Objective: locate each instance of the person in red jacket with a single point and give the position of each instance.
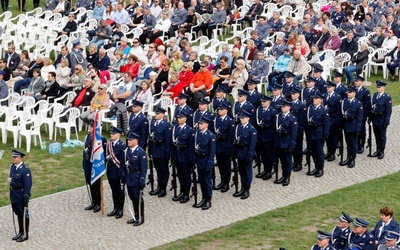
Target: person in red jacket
(186, 75)
(201, 83)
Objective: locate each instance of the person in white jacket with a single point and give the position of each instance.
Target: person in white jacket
(162, 26)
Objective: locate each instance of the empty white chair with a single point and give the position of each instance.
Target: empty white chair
(50, 120)
(73, 115)
(19, 117)
(36, 122)
(66, 98)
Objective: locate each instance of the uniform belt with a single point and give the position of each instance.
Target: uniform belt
(314, 125)
(200, 155)
(16, 188)
(130, 170)
(265, 127)
(283, 133)
(375, 113)
(221, 138)
(156, 143)
(181, 147)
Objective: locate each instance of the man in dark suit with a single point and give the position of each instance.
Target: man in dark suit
(12, 58)
(255, 10)
(64, 54)
(322, 37)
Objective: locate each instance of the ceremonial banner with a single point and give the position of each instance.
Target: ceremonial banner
(98, 159)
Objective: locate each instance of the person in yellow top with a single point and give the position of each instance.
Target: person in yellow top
(100, 101)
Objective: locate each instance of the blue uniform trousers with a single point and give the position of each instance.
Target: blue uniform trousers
(161, 166)
(184, 171)
(380, 137)
(351, 142)
(286, 159)
(317, 152)
(246, 172)
(205, 182)
(94, 189)
(224, 166)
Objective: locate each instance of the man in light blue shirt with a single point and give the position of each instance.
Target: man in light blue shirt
(98, 10)
(121, 16)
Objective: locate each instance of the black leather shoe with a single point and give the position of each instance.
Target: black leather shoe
(297, 167)
(286, 181)
(155, 192)
(319, 173)
(200, 204)
(119, 214)
(178, 198)
(113, 213)
(219, 186)
(16, 237)
(352, 163)
(206, 205)
(162, 193)
(90, 207)
(267, 176)
(375, 154)
(22, 238)
(279, 181)
(185, 198)
(345, 162)
(381, 155)
(225, 188)
(331, 157)
(238, 193)
(260, 175)
(96, 209)
(245, 194)
(312, 172)
(138, 222)
(360, 150)
(131, 221)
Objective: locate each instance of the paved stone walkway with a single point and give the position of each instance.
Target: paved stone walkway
(59, 221)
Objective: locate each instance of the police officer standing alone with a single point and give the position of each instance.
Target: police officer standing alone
(136, 168)
(381, 112)
(20, 178)
(352, 111)
(182, 152)
(286, 128)
(116, 171)
(205, 147)
(318, 127)
(245, 145)
(159, 148)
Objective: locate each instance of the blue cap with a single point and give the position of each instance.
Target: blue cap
(251, 83)
(16, 153)
(225, 105)
(132, 136)
(286, 103)
(318, 95)
(345, 218)
(244, 113)
(277, 86)
(289, 74)
(352, 89)
(137, 103)
(2, 72)
(222, 88)
(295, 89)
(204, 101)
(183, 113)
(380, 84)
(115, 130)
(183, 96)
(392, 235)
(265, 98)
(160, 109)
(242, 92)
(205, 119)
(318, 68)
(338, 74)
(76, 42)
(311, 79)
(361, 223)
(359, 78)
(323, 235)
(330, 84)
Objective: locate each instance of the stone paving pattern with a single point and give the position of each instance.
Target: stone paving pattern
(58, 221)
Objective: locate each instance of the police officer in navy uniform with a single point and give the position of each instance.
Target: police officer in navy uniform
(277, 97)
(220, 97)
(318, 127)
(364, 96)
(299, 110)
(286, 128)
(182, 105)
(381, 112)
(245, 145)
(289, 85)
(340, 88)
(205, 148)
(159, 148)
(87, 169)
(360, 238)
(308, 93)
(391, 239)
(182, 153)
(341, 232)
(352, 113)
(323, 241)
(115, 155)
(203, 110)
(224, 127)
(20, 179)
(266, 118)
(243, 104)
(136, 170)
(254, 96)
(319, 81)
(138, 122)
(332, 102)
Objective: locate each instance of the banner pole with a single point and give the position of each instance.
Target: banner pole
(102, 195)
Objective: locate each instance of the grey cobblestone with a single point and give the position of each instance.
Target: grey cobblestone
(59, 221)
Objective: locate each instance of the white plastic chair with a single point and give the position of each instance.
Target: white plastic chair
(50, 120)
(380, 55)
(105, 119)
(36, 122)
(73, 115)
(66, 98)
(8, 113)
(27, 103)
(264, 79)
(19, 117)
